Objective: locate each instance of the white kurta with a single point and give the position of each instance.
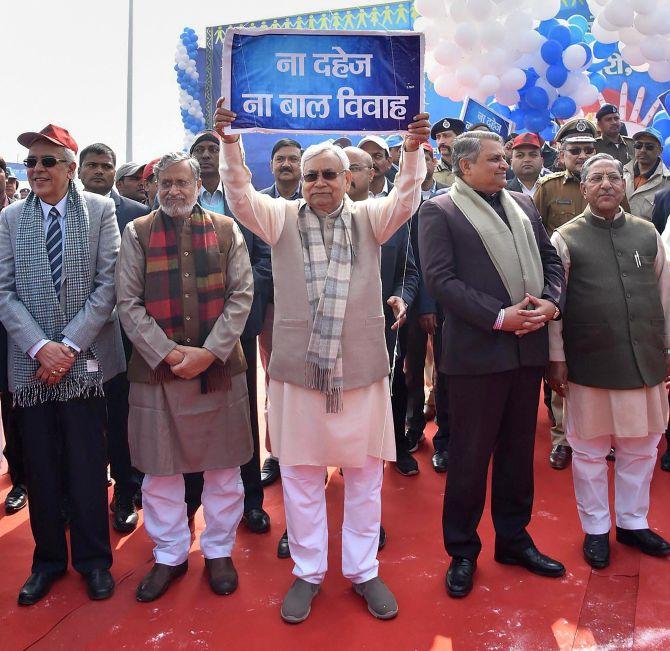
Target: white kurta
(301, 432)
(591, 412)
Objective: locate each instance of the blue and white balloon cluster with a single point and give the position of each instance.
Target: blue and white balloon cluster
(661, 123)
(558, 83)
(187, 77)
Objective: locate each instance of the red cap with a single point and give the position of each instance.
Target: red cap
(149, 169)
(428, 147)
(52, 133)
(527, 140)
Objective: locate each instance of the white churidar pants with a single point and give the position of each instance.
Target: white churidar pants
(305, 506)
(633, 468)
(165, 514)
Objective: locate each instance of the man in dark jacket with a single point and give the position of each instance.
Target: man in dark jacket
(488, 262)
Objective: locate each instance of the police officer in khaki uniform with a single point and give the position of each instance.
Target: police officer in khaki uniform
(443, 133)
(558, 197)
(610, 140)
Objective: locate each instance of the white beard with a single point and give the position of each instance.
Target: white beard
(178, 212)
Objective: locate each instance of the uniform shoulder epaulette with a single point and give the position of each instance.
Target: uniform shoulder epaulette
(547, 177)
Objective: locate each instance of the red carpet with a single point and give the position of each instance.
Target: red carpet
(626, 606)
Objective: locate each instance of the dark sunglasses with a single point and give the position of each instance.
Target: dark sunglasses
(649, 146)
(47, 161)
(575, 151)
(328, 175)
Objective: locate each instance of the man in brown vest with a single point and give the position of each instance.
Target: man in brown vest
(328, 396)
(184, 289)
(609, 358)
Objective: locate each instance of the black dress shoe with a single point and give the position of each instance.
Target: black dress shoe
(559, 457)
(270, 472)
(382, 538)
(16, 499)
(459, 576)
(440, 460)
(100, 584)
(137, 498)
(647, 541)
(282, 548)
(665, 460)
(36, 587)
(406, 464)
(429, 412)
(257, 521)
(125, 514)
(597, 550)
(532, 560)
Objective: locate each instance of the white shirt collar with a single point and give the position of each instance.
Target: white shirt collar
(204, 190)
(61, 206)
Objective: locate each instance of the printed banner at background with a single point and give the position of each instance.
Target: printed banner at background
(322, 81)
(474, 113)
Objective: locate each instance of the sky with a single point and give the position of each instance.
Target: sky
(65, 64)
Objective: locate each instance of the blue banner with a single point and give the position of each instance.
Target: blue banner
(475, 113)
(322, 81)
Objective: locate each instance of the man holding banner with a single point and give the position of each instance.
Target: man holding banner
(328, 395)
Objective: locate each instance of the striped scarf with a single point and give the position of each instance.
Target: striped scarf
(163, 290)
(327, 291)
(35, 289)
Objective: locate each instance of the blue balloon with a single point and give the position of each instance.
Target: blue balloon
(589, 53)
(667, 103)
(535, 121)
(663, 126)
(537, 98)
(531, 78)
(562, 35)
(579, 21)
(603, 50)
(557, 75)
(665, 155)
(551, 52)
(661, 115)
(546, 26)
(549, 132)
(517, 116)
(500, 108)
(598, 80)
(564, 107)
(576, 34)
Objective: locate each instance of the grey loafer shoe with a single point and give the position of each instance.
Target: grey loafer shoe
(297, 603)
(380, 600)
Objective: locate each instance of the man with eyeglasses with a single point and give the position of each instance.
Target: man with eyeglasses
(56, 302)
(647, 174)
(611, 141)
(329, 402)
(559, 199)
(212, 197)
(184, 289)
(96, 172)
(610, 359)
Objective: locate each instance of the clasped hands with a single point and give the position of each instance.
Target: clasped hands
(520, 320)
(55, 361)
(187, 362)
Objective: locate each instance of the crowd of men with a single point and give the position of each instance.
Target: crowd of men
(135, 310)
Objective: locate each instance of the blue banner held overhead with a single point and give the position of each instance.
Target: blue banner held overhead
(322, 81)
(475, 113)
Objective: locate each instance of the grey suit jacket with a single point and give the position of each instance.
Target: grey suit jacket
(97, 320)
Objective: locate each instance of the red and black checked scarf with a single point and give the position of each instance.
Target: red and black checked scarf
(163, 290)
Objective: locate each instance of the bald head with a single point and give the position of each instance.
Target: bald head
(362, 172)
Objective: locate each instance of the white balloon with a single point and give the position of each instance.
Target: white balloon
(507, 97)
(430, 8)
(181, 48)
(645, 24)
(467, 75)
(458, 11)
(586, 96)
(574, 57)
(630, 36)
(570, 86)
(512, 79)
(660, 71)
(643, 6)
(619, 13)
(488, 85)
(480, 10)
(492, 32)
(545, 9)
(603, 35)
(662, 19)
(631, 54)
(653, 48)
(605, 23)
(466, 36)
(445, 53)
